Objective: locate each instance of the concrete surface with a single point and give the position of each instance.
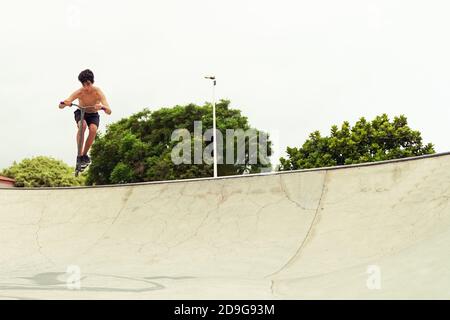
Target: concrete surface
(365, 232)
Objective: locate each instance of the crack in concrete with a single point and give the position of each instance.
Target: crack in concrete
(38, 242)
(125, 201)
(285, 192)
(308, 234)
(272, 287)
(202, 222)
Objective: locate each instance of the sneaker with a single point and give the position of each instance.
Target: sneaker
(85, 161)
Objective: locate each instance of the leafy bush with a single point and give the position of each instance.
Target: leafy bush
(42, 172)
(380, 139)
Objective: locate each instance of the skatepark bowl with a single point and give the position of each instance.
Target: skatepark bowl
(371, 231)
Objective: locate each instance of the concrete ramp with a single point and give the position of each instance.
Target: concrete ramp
(371, 231)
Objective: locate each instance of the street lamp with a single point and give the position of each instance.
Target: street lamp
(214, 82)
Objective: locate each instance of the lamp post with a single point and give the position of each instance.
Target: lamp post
(214, 82)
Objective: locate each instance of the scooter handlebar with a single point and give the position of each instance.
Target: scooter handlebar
(80, 107)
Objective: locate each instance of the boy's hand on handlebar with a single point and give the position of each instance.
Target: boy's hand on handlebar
(63, 104)
(99, 107)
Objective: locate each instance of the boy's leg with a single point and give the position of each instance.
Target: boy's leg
(90, 140)
(80, 146)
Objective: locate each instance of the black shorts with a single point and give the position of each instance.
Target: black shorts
(90, 118)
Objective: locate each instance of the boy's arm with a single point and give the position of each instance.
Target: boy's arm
(68, 101)
(104, 103)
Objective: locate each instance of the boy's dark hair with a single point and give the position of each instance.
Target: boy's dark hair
(86, 75)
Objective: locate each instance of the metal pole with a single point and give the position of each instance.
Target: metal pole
(213, 78)
(214, 128)
(81, 132)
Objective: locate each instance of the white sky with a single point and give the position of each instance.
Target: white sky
(291, 66)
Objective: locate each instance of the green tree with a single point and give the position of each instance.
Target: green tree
(380, 139)
(42, 172)
(138, 148)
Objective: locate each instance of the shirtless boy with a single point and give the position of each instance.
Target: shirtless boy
(93, 99)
